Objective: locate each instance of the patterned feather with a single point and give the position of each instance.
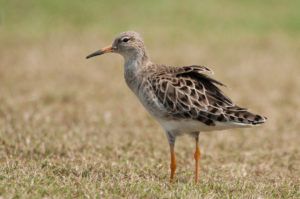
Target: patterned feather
(187, 93)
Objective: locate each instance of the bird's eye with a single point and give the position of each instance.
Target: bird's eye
(126, 39)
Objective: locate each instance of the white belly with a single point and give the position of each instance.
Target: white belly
(189, 126)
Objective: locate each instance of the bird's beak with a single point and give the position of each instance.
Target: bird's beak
(107, 49)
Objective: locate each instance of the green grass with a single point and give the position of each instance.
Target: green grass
(225, 17)
(70, 127)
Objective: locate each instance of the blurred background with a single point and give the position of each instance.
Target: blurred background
(71, 127)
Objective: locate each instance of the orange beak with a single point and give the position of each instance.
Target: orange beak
(107, 49)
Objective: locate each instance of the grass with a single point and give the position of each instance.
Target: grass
(70, 127)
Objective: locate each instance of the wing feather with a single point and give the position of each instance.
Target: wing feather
(186, 92)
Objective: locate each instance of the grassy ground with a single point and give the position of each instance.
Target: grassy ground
(70, 127)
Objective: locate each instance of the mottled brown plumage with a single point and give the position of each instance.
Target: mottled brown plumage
(187, 93)
(182, 99)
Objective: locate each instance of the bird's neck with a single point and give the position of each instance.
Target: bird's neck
(136, 59)
(133, 64)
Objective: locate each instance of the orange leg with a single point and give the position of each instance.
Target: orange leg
(173, 163)
(197, 158)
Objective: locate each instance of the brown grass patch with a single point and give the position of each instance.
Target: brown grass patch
(70, 127)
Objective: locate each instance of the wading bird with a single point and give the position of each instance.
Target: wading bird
(184, 100)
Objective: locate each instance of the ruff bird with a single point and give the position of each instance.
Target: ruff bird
(184, 100)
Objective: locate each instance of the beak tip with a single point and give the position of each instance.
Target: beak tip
(107, 49)
(92, 55)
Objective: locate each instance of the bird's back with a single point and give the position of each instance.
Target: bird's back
(188, 94)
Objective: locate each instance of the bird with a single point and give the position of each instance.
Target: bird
(184, 100)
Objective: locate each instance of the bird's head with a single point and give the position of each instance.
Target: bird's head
(127, 44)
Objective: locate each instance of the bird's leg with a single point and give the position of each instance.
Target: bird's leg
(171, 140)
(173, 163)
(197, 158)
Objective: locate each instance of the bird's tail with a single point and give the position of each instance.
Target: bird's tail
(243, 117)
